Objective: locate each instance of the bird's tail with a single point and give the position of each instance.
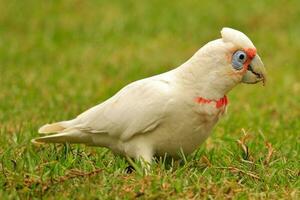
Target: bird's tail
(61, 132)
(54, 128)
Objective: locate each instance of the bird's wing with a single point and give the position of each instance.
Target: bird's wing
(138, 108)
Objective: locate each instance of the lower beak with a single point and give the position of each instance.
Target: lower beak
(256, 72)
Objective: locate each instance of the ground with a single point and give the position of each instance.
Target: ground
(58, 58)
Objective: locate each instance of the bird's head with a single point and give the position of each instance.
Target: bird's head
(242, 57)
(227, 61)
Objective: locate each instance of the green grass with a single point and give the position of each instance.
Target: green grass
(58, 58)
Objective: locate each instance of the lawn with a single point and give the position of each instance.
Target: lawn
(58, 58)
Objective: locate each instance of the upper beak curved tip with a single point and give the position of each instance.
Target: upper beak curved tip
(256, 72)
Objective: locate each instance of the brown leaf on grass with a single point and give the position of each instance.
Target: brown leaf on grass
(205, 160)
(73, 173)
(135, 187)
(270, 153)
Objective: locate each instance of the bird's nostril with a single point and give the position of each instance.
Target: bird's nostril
(250, 68)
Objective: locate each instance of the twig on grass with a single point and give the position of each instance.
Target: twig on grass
(242, 143)
(234, 169)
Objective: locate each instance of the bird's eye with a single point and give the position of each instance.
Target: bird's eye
(238, 59)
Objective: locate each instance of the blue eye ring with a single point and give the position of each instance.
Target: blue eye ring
(238, 59)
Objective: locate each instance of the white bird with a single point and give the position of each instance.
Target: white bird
(168, 113)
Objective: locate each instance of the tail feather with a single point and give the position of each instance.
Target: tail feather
(64, 131)
(55, 127)
(51, 128)
(69, 135)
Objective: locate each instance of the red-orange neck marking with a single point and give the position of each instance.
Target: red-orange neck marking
(219, 103)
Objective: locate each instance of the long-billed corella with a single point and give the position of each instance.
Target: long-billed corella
(170, 112)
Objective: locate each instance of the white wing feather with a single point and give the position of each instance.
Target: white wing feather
(138, 108)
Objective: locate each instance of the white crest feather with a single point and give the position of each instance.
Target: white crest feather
(236, 37)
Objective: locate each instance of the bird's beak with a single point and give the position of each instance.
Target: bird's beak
(256, 72)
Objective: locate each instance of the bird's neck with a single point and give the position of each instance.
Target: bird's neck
(202, 82)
